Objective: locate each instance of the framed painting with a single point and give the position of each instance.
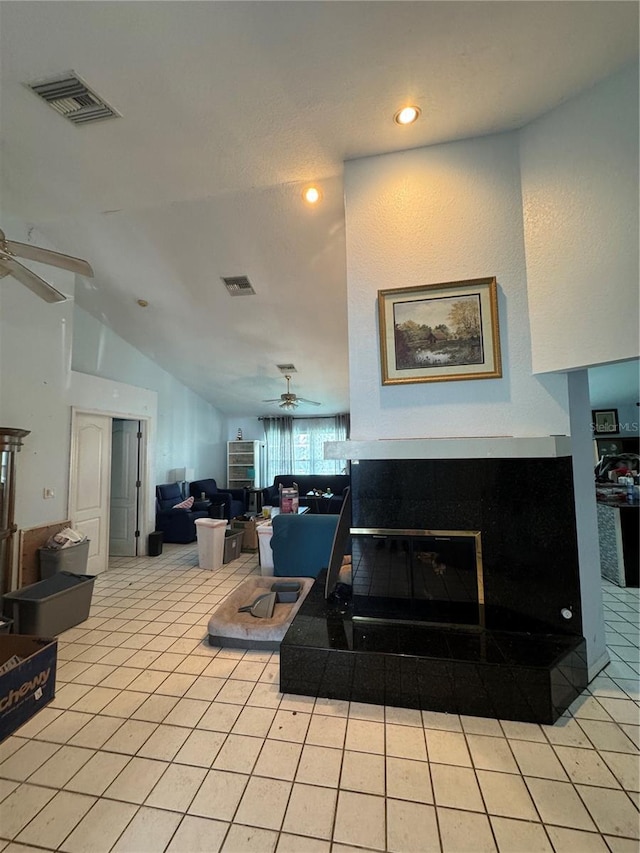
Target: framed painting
(440, 332)
(605, 421)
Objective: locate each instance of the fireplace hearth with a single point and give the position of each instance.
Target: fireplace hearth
(423, 627)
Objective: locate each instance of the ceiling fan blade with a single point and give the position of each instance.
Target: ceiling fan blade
(276, 400)
(53, 259)
(310, 402)
(38, 285)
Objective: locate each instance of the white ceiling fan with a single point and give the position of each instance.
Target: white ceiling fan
(9, 265)
(289, 401)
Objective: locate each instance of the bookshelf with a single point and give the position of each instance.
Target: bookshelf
(243, 465)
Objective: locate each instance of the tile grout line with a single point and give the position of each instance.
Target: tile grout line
(170, 596)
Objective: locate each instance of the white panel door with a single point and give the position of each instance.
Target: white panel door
(125, 477)
(89, 491)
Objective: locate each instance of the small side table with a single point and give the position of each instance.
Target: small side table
(216, 510)
(254, 501)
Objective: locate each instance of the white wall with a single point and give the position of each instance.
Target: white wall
(628, 417)
(580, 192)
(38, 388)
(579, 166)
(454, 212)
(190, 433)
(252, 429)
(617, 386)
(438, 214)
(584, 496)
(92, 393)
(35, 356)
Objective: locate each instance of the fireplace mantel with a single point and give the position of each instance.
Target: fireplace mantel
(479, 447)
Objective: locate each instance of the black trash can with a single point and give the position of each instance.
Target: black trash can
(155, 543)
(216, 511)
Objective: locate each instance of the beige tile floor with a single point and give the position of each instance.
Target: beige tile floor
(156, 741)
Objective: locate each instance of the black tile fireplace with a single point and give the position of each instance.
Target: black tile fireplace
(465, 593)
(418, 576)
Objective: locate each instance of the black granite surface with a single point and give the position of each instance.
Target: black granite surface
(417, 578)
(413, 631)
(524, 509)
(480, 672)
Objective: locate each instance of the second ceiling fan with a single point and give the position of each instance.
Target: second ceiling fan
(289, 401)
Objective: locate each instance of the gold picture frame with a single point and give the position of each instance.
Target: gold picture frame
(440, 332)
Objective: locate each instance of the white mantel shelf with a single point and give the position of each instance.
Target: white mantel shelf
(485, 447)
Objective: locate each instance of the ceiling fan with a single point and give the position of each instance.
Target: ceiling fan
(10, 250)
(289, 401)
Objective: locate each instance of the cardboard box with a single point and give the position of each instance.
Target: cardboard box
(248, 526)
(29, 686)
(232, 545)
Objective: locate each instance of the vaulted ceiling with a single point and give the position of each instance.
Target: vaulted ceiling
(228, 110)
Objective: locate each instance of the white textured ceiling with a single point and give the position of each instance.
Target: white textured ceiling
(229, 108)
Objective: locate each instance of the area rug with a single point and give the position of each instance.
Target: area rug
(229, 628)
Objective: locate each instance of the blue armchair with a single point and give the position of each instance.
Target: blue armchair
(177, 525)
(301, 544)
(234, 500)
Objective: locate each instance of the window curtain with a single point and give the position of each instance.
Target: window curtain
(296, 445)
(309, 438)
(341, 432)
(278, 434)
(343, 427)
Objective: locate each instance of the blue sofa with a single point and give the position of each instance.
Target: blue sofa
(337, 483)
(177, 525)
(301, 544)
(234, 500)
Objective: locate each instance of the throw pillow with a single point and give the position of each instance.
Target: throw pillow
(186, 504)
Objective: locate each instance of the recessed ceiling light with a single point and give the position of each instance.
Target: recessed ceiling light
(407, 115)
(142, 303)
(311, 194)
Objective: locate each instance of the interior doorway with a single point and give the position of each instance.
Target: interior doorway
(124, 500)
(107, 501)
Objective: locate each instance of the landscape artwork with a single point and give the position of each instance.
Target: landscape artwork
(433, 332)
(440, 332)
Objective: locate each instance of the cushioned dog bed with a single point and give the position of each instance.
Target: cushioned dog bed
(227, 627)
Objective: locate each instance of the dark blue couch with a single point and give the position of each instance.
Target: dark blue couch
(177, 525)
(234, 500)
(337, 483)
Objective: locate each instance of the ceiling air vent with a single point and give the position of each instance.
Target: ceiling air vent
(70, 96)
(238, 285)
(286, 368)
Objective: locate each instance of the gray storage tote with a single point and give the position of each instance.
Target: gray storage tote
(51, 606)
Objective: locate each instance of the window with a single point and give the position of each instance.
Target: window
(296, 445)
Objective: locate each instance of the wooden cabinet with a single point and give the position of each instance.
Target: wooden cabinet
(243, 465)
